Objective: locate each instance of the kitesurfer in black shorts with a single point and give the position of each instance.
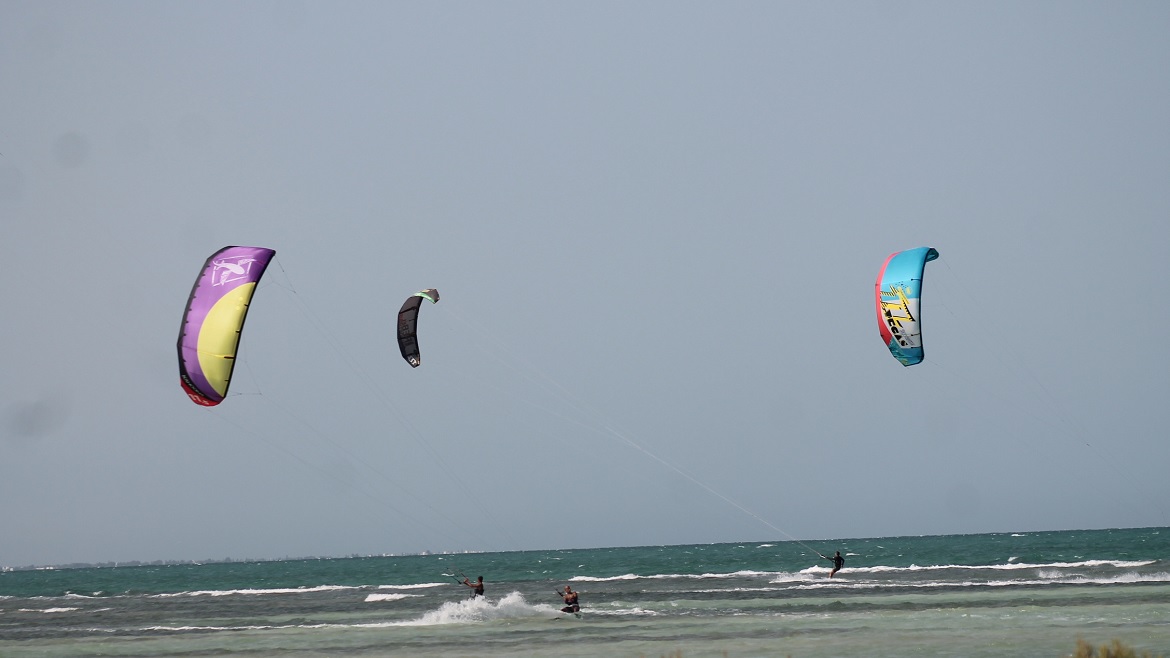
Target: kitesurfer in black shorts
(570, 598)
(571, 604)
(476, 587)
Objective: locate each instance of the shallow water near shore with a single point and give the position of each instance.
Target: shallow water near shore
(1019, 594)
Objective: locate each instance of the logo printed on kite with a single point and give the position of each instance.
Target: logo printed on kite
(200, 400)
(227, 270)
(898, 292)
(905, 313)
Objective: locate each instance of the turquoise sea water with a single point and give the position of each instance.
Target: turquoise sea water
(1019, 594)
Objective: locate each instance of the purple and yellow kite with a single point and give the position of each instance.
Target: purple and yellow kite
(214, 318)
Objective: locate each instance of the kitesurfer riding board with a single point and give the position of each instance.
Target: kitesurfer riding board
(837, 561)
(570, 598)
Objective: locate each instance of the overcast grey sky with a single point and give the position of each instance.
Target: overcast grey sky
(655, 227)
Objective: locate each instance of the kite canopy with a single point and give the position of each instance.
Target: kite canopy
(214, 318)
(408, 324)
(898, 291)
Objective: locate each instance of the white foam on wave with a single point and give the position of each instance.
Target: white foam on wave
(635, 611)
(719, 590)
(602, 579)
(1043, 578)
(419, 586)
(466, 611)
(49, 610)
(667, 576)
(1009, 566)
(257, 592)
(1129, 577)
(801, 576)
(480, 609)
(391, 597)
(248, 627)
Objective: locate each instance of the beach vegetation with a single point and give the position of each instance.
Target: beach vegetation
(1115, 649)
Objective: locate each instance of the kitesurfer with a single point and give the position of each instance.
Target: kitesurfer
(570, 598)
(476, 587)
(837, 561)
